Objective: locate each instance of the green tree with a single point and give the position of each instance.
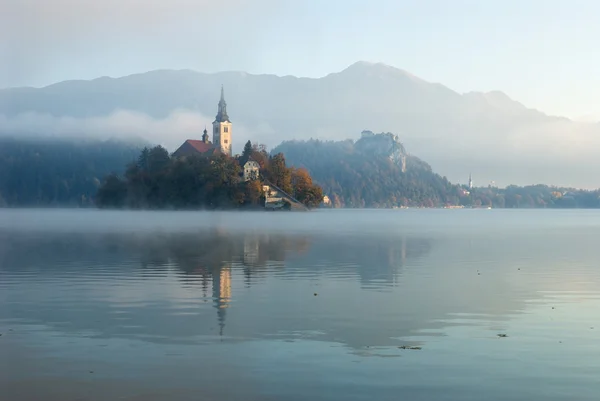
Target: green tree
(112, 193)
(261, 156)
(58, 172)
(157, 181)
(246, 153)
(279, 173)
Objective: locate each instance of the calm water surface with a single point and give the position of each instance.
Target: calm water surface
(300, 306)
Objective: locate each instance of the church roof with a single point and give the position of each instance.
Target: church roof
(193, 146)
(200, 146)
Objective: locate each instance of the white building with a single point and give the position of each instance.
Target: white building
(251, 170)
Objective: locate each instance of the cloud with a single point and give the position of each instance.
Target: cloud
(564, 140)
(557, 152)
(169, 132)
(531, 154)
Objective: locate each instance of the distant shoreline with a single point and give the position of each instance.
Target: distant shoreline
(262, 209)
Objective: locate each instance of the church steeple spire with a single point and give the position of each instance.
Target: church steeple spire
(222, 127)
(222, 113)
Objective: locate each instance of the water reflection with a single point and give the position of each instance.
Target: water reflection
(158, 285)
(121, 279)
(280, 310)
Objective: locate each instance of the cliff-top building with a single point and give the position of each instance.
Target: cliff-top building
(221, 136)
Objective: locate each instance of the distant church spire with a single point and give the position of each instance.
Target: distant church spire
(470, 182)
(222, 113)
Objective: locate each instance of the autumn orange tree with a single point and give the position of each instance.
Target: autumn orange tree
(254, 192)
(304, 190)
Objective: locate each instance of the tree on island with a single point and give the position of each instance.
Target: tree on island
(246, 154)
(88, 173)
(304, 189)
(279, 174)
(157, 181)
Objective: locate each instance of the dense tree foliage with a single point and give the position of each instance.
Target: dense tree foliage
(354, 177)
(42, 173)
(296, 182)
(51, 172)
(533, 196)
(157, 181)
(304, 189)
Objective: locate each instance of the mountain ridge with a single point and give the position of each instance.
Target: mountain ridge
(487, 133)
(361, 65)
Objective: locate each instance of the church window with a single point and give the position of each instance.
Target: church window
(226, 141)
(225, 129)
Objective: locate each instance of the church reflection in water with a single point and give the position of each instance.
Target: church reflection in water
(219, 278)
(217, 261)
(219, 267)
(373, 287)
(210, 260)
(222, 294)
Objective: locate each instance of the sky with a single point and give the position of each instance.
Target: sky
(542, 53)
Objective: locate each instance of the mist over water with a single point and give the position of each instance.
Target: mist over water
(363, 222)
(228, 305)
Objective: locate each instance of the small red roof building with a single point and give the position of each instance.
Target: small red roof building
(195, 147)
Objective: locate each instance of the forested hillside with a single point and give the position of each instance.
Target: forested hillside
(355, 176)
(456, 133)
(52, 172)
(534, 196)
(66, 173)
(368, 173)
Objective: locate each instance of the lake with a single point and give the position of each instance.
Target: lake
(327, 305)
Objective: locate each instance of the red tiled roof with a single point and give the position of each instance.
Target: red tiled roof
(200, 146)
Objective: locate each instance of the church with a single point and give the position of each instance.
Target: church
(275, 198)
(221, 142)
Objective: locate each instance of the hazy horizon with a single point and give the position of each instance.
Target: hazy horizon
(489, 135)
(507, 92)
(541, 53)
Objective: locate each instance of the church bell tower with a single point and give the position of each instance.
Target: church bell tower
(222, 127)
